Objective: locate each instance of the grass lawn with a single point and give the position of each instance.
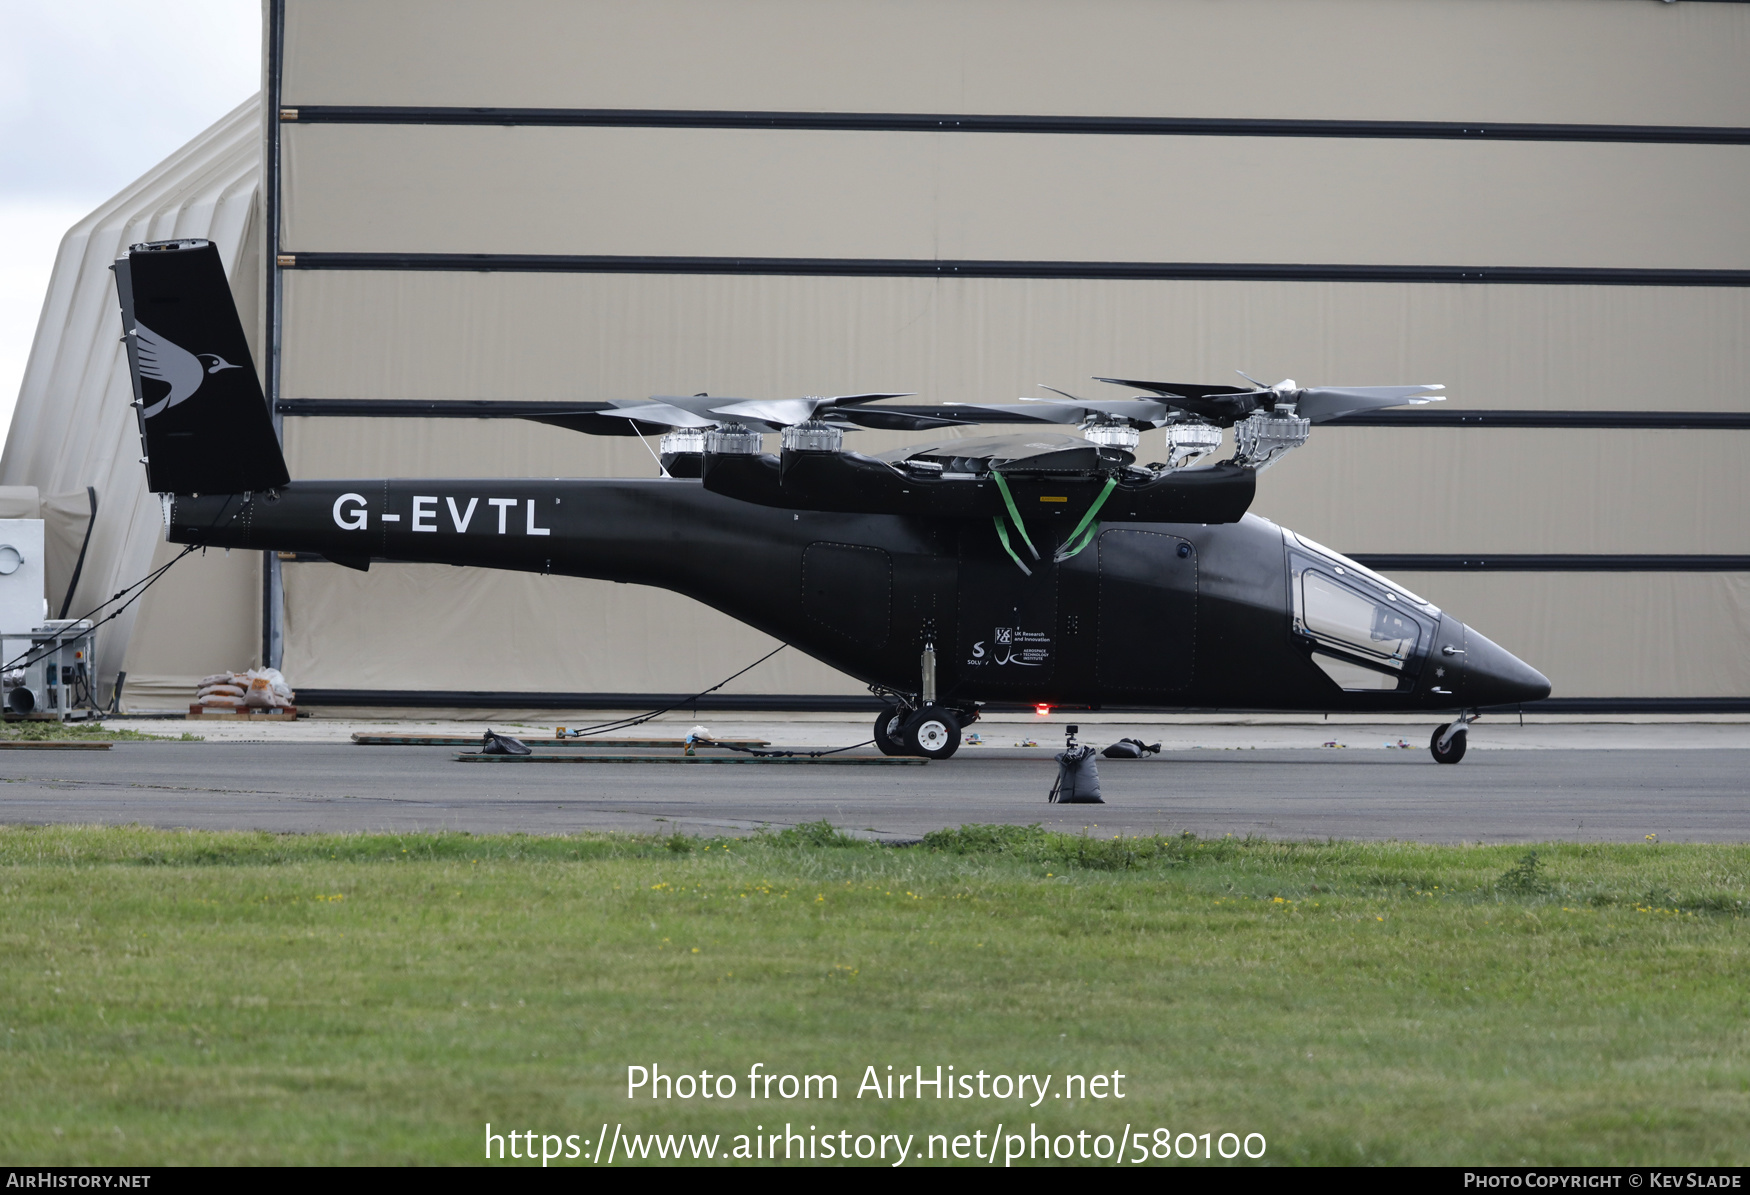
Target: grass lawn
(90, 732)
(171, 997)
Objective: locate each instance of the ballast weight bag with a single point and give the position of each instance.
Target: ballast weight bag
(1078, 778)
(502, 744)
(1131, 749)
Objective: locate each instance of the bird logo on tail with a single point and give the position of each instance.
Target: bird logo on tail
(181, 370)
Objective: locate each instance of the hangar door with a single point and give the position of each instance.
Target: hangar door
(553, 200)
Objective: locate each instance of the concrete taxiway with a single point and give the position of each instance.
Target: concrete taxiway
(1576, 781)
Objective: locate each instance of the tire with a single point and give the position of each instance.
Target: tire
(1454, 750)
(933, 733)
(890, 731)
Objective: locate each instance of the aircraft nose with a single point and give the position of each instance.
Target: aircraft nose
(1495, 676)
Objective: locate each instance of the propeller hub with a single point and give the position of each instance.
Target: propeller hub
(1112, 435)
(1188, 443)
(683, 440)
(813, 436)
(732, 439)
(1260, 439)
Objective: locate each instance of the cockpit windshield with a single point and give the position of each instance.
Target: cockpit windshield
(1366, 632)
(1362, 571)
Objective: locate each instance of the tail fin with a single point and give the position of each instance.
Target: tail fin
(203, 421)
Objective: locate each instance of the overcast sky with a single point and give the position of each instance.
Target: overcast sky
(93, 93)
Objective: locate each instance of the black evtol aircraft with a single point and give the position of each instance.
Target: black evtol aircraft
(1038, 568)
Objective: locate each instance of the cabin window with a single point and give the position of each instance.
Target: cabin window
(1353, 677)
(1381, 632)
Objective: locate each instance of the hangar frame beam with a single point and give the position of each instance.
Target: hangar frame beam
(902, 122)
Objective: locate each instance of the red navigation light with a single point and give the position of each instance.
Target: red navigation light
(1042, 709)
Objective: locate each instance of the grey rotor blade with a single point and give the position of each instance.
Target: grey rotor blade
(781, 412)
(1055, 390)
(598, 423)
(1146, 410)
(965, 414)
(660, 412)
(1180, 389)
(787, 412)
(697, 404)
(1044, 410)
(901, 420)
(1321, 403)
(850, 399)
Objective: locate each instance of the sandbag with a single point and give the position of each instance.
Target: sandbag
(273, 679)
(257, 689)
(493, 743)
(1131, 749)
(1078, 778)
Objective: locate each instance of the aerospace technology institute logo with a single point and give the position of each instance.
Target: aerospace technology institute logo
(1012, 647)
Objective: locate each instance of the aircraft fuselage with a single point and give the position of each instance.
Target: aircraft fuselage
(1149, 615)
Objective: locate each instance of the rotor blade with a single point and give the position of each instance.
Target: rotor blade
(964, 414)
(599, 423)
(1151, 411)
(1178, 389)
(1321, 403)
(783, 412)
(1011, 446)
(700, 405)
(890, 420)
(1374, 391)
(1036, 410)
(1254, 381)
(1145, 410)
(786, 412)
(660, 412)
(850, 399)
(1055, 390)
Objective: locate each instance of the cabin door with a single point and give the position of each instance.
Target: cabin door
(1148, 612)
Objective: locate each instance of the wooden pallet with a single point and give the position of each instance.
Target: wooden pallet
(51, 745)
(228, 713)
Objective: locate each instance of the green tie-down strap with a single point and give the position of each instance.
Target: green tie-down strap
(1087, 529)
(1003, 532)
(1009, 501)
(1003, 536)
(1080, 538)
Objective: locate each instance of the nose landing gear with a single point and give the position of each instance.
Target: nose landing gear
(1448, 743)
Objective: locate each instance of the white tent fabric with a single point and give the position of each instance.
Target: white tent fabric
(74, 428)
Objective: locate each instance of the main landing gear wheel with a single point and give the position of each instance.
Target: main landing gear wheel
(1454, 749)
(890, 731)
(933, 733)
